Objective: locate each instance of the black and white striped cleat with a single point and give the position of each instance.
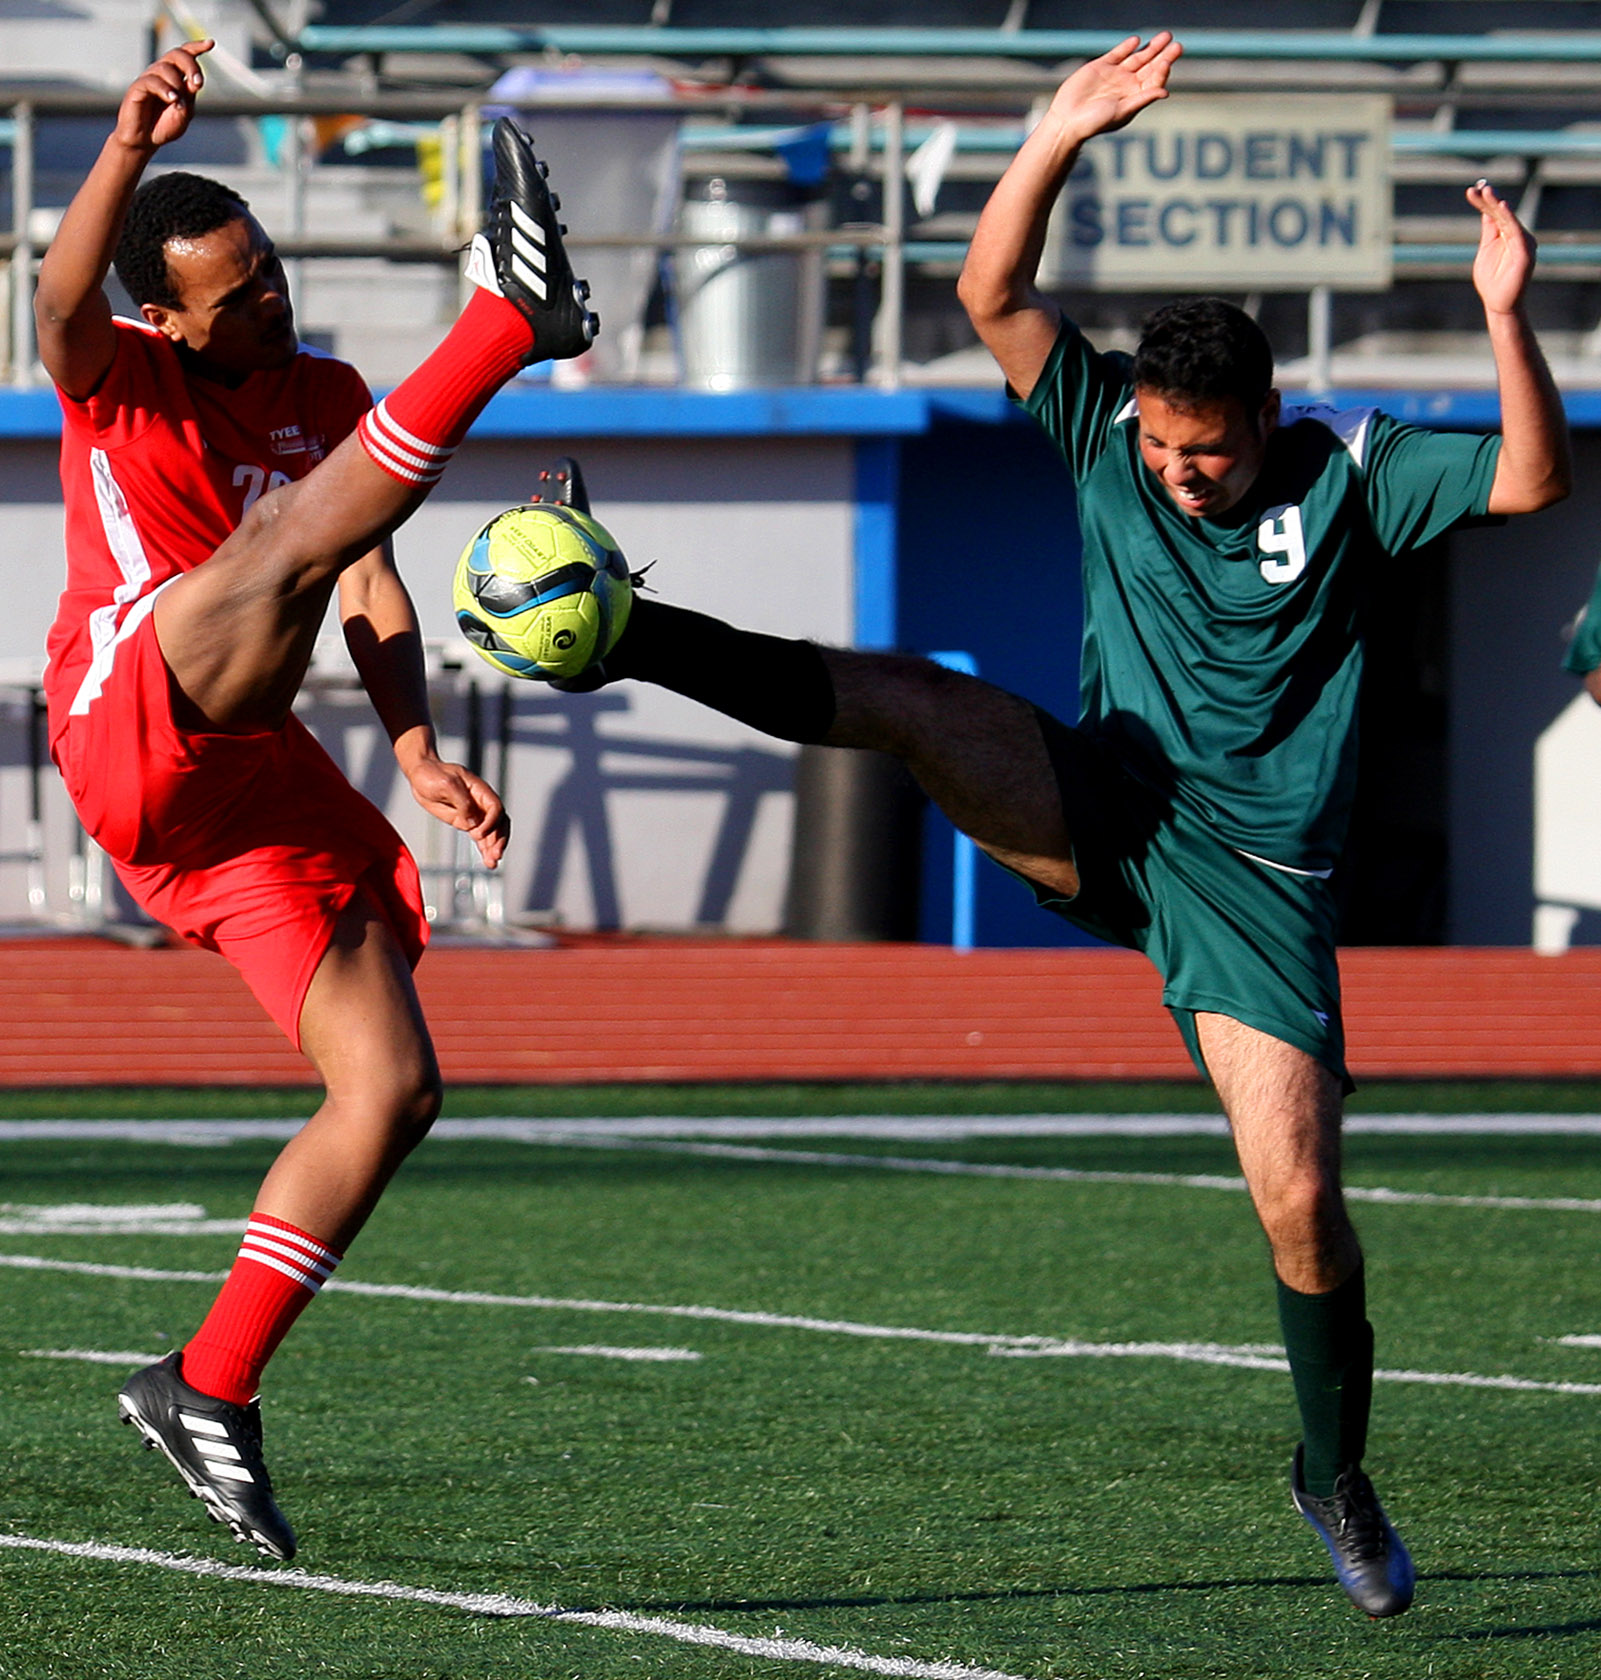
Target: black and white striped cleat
(215, 1446)
(519, 255)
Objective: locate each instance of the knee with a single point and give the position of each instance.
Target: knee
(1303, 1210)
(276, 536)
(415, 1105)
(266, 519)
(399, 1105)
(915, 700)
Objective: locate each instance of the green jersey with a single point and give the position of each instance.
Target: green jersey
(1222, 656)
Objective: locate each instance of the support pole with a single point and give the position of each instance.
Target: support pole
(22, 336)
(1320, 341)
(892, 296)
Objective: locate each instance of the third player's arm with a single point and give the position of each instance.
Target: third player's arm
(76, 337)
(1535, 467)
(385, 641)
(998, 289)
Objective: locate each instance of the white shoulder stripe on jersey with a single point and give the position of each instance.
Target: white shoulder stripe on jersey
(1350, 425)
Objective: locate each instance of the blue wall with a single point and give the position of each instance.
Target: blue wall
(987, 563)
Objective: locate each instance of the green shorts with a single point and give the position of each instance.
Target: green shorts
(1228, 935)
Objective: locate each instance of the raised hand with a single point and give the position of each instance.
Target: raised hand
(1112, 90)
(157, 108)
(1505, 258)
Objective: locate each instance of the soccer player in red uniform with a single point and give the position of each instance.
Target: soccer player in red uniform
(222, 486)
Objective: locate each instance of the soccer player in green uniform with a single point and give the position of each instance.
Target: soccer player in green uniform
(1584, 651)
(1197, 811)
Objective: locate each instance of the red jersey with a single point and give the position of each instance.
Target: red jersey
(157, 470)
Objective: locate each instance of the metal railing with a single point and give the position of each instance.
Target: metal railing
(1048, 45)
(874, 141)
(462, 138)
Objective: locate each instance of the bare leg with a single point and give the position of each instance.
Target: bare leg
(362, 1028)
(1284, 1108)
(237, 632)
(976, 750)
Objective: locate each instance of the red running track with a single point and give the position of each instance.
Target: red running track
(93, 1013)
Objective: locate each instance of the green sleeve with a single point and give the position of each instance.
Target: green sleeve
(1420, 483)
(1584, 651)
(1078, 396)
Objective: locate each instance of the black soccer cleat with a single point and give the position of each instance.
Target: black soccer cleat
(561, 484)
(1369, 1558)
(519, 254)
(215, 1446)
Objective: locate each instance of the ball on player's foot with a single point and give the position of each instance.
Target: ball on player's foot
(542, 591)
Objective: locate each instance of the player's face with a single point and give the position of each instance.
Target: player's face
(233, 300)
(1206, 454)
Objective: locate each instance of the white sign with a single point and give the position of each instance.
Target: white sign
(1244, 193)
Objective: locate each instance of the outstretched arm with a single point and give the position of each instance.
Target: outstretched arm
(76, 337)
(1016, 321)
(1536, 464)
(381, 632)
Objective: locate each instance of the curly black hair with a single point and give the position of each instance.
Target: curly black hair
(1204, 350)
(175, 206)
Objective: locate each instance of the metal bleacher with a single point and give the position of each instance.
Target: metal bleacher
(1509, 88)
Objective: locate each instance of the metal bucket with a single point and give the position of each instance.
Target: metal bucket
(748, 317)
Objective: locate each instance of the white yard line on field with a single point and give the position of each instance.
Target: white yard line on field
(503, 1605)
(91, 1356)
(649, 1355)
(1073, 1175)
(1250, 1357)
(174, 1221)
(904, 1128)
(1263, 1358)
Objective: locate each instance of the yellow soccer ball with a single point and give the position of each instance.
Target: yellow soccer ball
(542, 591)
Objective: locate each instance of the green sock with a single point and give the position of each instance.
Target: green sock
(1330, 1344)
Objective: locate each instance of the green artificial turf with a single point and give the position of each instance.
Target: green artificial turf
(1572, 1096)
(1105, 1518)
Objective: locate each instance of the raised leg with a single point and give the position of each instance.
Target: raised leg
(977, 751)
(237, 632)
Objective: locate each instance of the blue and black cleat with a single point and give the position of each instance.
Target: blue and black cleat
(1369, 1557)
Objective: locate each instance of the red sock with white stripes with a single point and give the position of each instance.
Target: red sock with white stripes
(279, 1270)
(414, 431)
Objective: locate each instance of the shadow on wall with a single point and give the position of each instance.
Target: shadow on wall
(571, 819)
(576, 807)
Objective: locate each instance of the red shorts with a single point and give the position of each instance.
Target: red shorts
(250, 845)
